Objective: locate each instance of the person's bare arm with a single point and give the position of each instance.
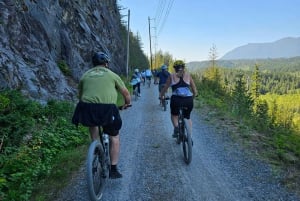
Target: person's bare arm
(193, 86)
(126, 95)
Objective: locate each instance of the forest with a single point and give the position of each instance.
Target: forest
(263, 98)
(278, 86)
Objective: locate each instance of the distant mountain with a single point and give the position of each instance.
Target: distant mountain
(277, 64)
(283, 48)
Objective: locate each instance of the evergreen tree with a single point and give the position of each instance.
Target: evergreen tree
(261, 115)
(256, 80)
(241, 101)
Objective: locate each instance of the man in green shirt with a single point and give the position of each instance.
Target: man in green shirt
(98, 91)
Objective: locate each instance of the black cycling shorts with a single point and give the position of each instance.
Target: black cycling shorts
(96, 114)
(177, 101)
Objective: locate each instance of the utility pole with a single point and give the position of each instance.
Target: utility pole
(150, 45)
(127, 64)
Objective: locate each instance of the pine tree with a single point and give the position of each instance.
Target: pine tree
(256, 83)
(241, 101)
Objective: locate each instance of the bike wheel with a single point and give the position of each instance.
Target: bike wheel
(96, 173)
(179, 135)
(187, 143)
(164, 103)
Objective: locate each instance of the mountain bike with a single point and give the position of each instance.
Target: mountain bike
(135, 93)
(164, 102)
(148, 82)
(184, 136)
(98, 165)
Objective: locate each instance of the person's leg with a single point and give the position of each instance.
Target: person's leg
(174, 119)
(189, 104)
(94, 132)
(190, 124)
(139, 88)
(115, 149)
(113, 131)
(174, 115)
(114, 157)
(159, 90)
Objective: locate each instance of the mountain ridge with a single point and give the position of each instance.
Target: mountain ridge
(283, 48)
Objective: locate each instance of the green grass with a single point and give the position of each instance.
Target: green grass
(278, 146)
(66, 165)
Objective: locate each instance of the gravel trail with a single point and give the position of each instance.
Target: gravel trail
(153, 168)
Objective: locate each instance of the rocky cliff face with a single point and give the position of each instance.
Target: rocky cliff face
(38, 35)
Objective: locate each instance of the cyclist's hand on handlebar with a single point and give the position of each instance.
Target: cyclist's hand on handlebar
(125, 106)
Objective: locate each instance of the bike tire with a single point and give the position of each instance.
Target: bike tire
(187, 143)
(95, 171)
(135, 94)
(164, 103)
(179, 135)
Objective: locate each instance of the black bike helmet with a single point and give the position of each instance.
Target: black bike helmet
(100, 58)
(178, 65)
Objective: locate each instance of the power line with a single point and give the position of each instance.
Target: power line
(166, 15)
(159, 11)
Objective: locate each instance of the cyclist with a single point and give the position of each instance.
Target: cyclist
(136, 79)
(162, 76)
(98, 90)
(183, 92)
(143, 74)
(148, 74)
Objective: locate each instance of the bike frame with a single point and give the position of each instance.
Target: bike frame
(164, 102)
(184, 136)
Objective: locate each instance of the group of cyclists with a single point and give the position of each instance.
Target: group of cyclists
(98, 90)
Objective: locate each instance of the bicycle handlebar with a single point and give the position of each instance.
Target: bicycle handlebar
(166, 98)
(124, 107)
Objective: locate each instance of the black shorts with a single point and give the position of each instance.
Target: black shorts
(96, 114)
(177, 101)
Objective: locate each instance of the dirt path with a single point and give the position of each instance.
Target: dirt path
(153, 168)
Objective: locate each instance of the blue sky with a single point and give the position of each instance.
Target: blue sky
(190, 28)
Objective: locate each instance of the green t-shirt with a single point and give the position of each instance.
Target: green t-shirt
(100, 85)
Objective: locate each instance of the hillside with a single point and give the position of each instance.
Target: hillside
(279, 64)
(283, 48)
(47, 45)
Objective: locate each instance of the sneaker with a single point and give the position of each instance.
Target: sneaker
(115, 174)
(175, 133)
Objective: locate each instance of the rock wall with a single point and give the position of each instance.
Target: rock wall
(37, 35)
